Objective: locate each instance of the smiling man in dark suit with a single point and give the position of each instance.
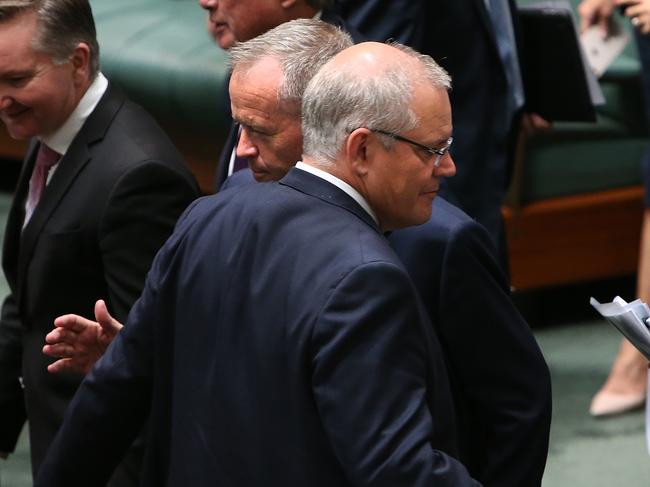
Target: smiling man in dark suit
(100, 190)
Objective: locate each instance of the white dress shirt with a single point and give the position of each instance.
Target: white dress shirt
(342, 185)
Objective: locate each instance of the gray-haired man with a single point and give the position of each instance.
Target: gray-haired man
(450, 260)
(279, 340)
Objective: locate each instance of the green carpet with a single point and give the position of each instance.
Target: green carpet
(584, 451)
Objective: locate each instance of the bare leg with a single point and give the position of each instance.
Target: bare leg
(625, 387)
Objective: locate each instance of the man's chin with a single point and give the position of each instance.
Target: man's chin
(262, 177)
(17, 133)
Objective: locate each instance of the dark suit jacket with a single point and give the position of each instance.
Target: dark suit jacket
(110, 205)
(294, 352)
(501, 384)
(500, 380)
(458, 34)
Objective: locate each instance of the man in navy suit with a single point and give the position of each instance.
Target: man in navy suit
(475, 41)
(279, 341)
(495, 362)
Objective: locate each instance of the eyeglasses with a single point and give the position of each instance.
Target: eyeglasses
(439, 153)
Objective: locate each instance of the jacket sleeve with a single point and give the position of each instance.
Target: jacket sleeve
(139, 216)
(115, 398)
(12, 402)
(501, 376)
(370, 383)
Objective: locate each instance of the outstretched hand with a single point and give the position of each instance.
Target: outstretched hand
(78, 343)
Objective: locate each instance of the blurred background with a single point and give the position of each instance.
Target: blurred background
(573, 218)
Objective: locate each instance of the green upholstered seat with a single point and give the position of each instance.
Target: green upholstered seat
(160, 53)
(577, 158)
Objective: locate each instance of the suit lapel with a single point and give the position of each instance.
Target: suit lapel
(11, 246)
(484, 15)
(489, 26)
(319, 188)
(76, 158)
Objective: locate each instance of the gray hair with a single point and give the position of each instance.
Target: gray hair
(338, 101)
(300, 46)
(63, 24)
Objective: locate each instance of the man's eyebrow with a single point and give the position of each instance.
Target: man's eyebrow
(16, 72)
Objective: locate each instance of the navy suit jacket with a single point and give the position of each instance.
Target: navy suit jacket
(459, 35)
(287, 347)
(500, 381)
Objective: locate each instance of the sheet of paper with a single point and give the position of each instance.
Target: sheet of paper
(629, 319)
(602, 50)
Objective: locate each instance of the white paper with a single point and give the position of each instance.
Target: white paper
(601, 50)
(629, 319)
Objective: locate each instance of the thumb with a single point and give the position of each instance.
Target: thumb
(109, 324)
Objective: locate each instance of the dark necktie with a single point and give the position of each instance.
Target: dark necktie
(46, 158)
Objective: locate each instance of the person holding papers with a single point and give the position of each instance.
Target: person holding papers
(625, 388)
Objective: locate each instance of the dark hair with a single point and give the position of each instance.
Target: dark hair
(320, 4)
(63, 24)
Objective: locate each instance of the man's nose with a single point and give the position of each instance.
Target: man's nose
(5, 102)
(245, 148)
(208, 4)
(447, 167)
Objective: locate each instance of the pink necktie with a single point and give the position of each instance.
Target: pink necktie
(45, 160)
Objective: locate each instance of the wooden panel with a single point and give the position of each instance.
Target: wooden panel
(199, 147)
(576, 238)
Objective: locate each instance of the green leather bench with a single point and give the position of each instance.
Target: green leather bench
(575, 205)
(160, 54)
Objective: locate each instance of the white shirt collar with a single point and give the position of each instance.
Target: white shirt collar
(61, 139)
(342, 185)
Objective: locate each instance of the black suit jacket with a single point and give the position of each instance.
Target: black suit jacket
(109, 206)
(501, 384)
(289, 349)
(459, 35)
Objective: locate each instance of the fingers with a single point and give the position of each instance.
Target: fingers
(75, 323)
(587, 13)
(58, 350)
(104, 318)
(66, 365)
(624, 3)
(633, 11)
(61, 334)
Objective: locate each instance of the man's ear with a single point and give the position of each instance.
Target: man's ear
(359, 149)
(81, 63)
